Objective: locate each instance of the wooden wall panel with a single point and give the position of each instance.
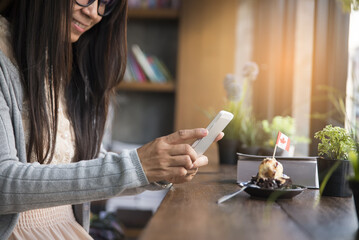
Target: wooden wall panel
(206, 55)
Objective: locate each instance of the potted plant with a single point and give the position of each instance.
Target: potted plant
(228, 146)
(354, 180)
(333, 164)
(238, 102)
(251, 135)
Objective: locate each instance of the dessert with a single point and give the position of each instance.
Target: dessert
(270, 175)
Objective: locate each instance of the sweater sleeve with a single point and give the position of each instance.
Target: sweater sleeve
(25, 186)
(153, 186)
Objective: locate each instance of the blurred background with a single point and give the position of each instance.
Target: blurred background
(280, 64)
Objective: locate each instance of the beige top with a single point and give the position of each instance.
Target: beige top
(55, 222)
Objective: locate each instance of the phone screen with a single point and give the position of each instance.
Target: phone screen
(214, 128)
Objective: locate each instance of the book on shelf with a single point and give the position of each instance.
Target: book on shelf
(136, 69)
(163, 69)
(130, 71)
(145, 68)
(143, 62)
(159, 76)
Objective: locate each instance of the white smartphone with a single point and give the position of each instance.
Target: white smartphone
(214, 128)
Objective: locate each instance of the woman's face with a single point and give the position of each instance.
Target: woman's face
(83, 18)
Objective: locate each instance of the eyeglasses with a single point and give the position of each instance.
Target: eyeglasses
(104, 7)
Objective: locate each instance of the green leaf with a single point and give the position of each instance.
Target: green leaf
(335, 143)
(353, 158)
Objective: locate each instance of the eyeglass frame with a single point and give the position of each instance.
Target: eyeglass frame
(98, 6)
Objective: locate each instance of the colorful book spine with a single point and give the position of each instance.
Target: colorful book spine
(143, 62)
(164, 70)
(136, 69)
(143, 68)
(131, 68)
(160, 77)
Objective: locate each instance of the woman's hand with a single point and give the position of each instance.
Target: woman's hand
(172, 158)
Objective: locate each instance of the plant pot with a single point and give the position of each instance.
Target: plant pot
(227, 149)
(337, 185)
(354, 186)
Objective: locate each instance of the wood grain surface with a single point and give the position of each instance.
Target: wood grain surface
(190, 211)
(205, 55)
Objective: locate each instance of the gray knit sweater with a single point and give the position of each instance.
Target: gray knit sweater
(25, 186)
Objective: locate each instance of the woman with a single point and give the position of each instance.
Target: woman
(59, 63)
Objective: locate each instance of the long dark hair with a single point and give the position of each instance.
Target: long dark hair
(88, 71)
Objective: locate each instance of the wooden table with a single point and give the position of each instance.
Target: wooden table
(190, 211)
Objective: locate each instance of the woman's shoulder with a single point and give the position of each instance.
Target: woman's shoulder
(5, 39)
(10, 83)
(10, 78)
(6, 52)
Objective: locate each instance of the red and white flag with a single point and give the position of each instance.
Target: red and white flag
(283, 141)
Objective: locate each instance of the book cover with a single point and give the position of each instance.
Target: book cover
(162, 67)
(159, 75)
(131, 68)
(140, 75)
(143, 62)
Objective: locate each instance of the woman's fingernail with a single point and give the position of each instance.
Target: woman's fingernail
(191, 166)
(204, 131)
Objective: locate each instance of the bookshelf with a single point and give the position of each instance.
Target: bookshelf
(198, 44)
(144, 110)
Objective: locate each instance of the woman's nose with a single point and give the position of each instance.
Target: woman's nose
(91, 10)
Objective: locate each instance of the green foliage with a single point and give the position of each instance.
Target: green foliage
(353, 158)
(349, 5)
(240, 112)
(285, 125)
(335, 143)
(251, 132)
(279, 123)
(234, 128)
(238, 92)
(339, 113)
(244, 126)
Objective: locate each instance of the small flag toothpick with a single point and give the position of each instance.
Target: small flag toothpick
(283, 142)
